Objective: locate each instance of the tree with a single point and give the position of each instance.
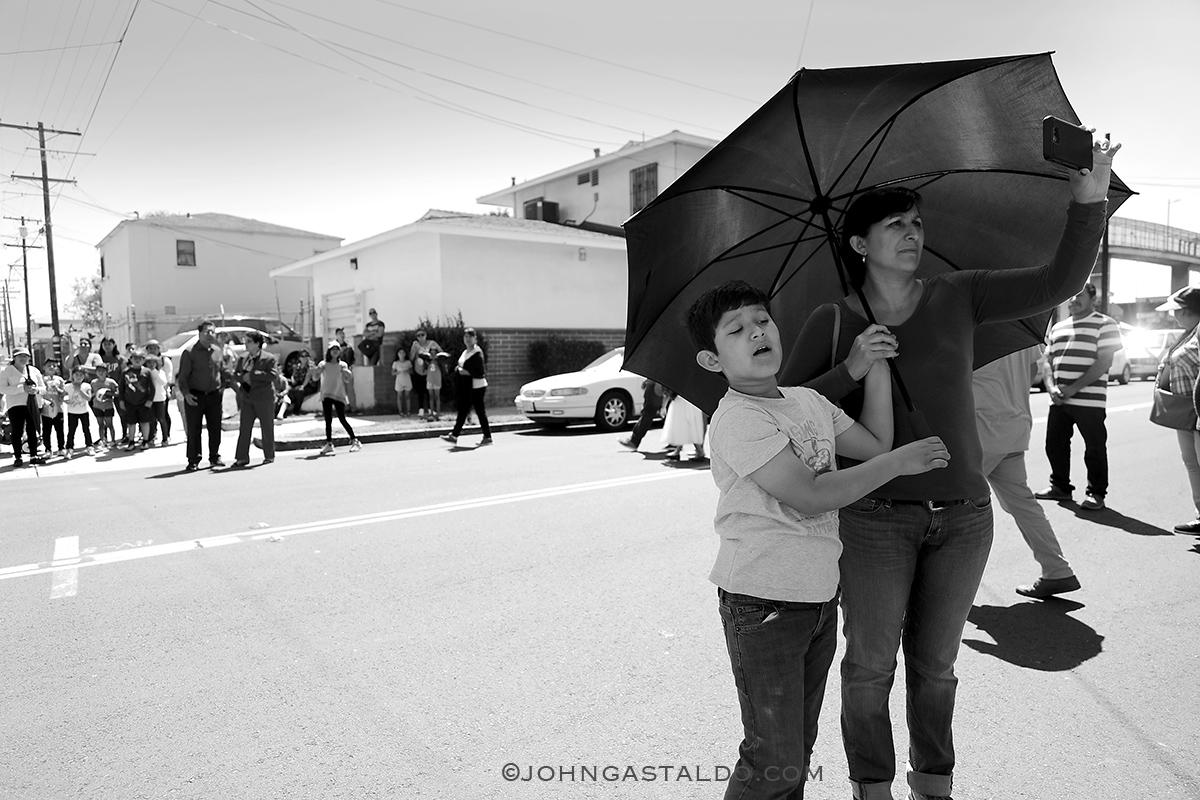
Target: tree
(85, 302)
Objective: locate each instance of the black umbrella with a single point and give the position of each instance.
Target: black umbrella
(765, 204)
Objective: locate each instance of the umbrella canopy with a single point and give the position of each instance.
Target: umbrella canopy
(765, 204)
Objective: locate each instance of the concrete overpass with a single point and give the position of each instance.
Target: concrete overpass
(1138, 240)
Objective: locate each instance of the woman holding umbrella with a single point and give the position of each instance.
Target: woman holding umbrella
(914, 551)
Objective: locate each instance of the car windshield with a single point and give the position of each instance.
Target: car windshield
(176, 341)
(607, 359)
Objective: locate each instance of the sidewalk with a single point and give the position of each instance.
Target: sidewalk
(307, 431)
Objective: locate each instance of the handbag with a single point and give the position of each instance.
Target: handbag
(1171, 410)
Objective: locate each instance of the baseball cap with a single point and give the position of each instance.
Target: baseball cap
(20, 351)
(1188, 297)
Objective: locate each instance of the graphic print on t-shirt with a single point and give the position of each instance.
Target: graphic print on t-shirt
(810, 447)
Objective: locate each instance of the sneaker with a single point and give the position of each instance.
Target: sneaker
(1054, 493)
(1094, 502)
(61, 453)
(67, 454)
(627, 443)
(1188, 527)
(216, 462)
(449, 437)
(485, 441)
(18, 463)
(268, 461)
(355, 445)
(327, 450)
(240, 464)
(1048, 587)
(191, 468)
(91, 451)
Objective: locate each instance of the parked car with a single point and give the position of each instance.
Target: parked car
(274, 327)
(601, 392)
(286, 349)
(1146, 347)
(174, 346)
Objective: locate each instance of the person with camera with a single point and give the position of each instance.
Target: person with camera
(22, 385)
(255, 378)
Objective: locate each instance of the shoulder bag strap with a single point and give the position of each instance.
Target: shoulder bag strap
(837, 332)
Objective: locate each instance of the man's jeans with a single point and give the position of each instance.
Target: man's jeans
(780, 653)
(206, 412)
(1189, 449)
(1060, 422)
(909, 575)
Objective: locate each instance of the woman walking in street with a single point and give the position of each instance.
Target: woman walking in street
(470, 385)
(334, 375)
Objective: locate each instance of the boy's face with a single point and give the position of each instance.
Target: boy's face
(747, 346)
(77, 376)
(51, 368)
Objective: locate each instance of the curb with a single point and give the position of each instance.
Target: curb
(315, 443)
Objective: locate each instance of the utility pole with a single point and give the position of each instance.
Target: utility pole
(24, 232)
(46, 181)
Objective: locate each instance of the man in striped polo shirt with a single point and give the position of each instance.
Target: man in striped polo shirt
(1080, 351)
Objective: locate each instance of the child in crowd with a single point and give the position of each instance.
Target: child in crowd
(433, 380)
(136, 397)
(52, 406)
(780, 489)
(78, 397)
(104, 391)
(402, 369)
(335, 375)
(158, 400)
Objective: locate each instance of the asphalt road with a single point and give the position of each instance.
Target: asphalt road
(407, 620)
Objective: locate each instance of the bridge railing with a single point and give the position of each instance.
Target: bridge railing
(1144, 235)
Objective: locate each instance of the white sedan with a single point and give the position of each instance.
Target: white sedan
(601, 392)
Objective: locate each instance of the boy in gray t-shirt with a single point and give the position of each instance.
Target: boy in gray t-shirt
(777, 566)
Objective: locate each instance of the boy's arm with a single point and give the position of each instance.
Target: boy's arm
(790, 481)
(871, 434)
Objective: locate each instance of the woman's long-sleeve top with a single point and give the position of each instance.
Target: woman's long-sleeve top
(937, 348)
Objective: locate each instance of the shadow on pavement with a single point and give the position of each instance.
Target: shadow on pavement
(1039, 635)
(181, 471)
(574, 430)
(1115, 519)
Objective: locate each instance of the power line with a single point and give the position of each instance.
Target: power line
(413, 92)
(39, 50)
(480, 67)
(549, 46)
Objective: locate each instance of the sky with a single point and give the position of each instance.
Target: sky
(356, 117)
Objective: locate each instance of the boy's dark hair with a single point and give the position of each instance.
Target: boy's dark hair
(865, 211)
(255, 337)
(706, 312)
(204, 323)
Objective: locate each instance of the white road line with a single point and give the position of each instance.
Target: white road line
(66, 578)
(275, 534)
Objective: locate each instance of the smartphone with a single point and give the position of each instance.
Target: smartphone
(1066, 143)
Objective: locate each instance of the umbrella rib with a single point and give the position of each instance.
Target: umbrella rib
(727, 257)
(937, 175)
(891, 120)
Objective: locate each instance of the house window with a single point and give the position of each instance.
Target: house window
(643, 187)
(103, 274)
(584, 178)
(595, 177)
(185, 253)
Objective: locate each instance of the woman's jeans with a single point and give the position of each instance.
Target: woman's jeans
(780, 653)
(909, 573)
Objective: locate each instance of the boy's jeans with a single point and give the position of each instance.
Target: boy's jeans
(909, 575)
(780, 653)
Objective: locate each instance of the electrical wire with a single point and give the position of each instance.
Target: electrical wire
(40, 50)
(549, 46)
(480, 67)
(413, 92)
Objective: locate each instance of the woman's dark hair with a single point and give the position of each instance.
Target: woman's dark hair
(256, 337)
(865, 211)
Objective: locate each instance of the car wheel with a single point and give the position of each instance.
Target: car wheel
(1126, 374)
(613, 411)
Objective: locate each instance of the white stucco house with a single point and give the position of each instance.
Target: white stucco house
(556, 266)
(162, 271)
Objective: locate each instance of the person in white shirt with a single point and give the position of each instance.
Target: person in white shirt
(22, 385)
(78, 399)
